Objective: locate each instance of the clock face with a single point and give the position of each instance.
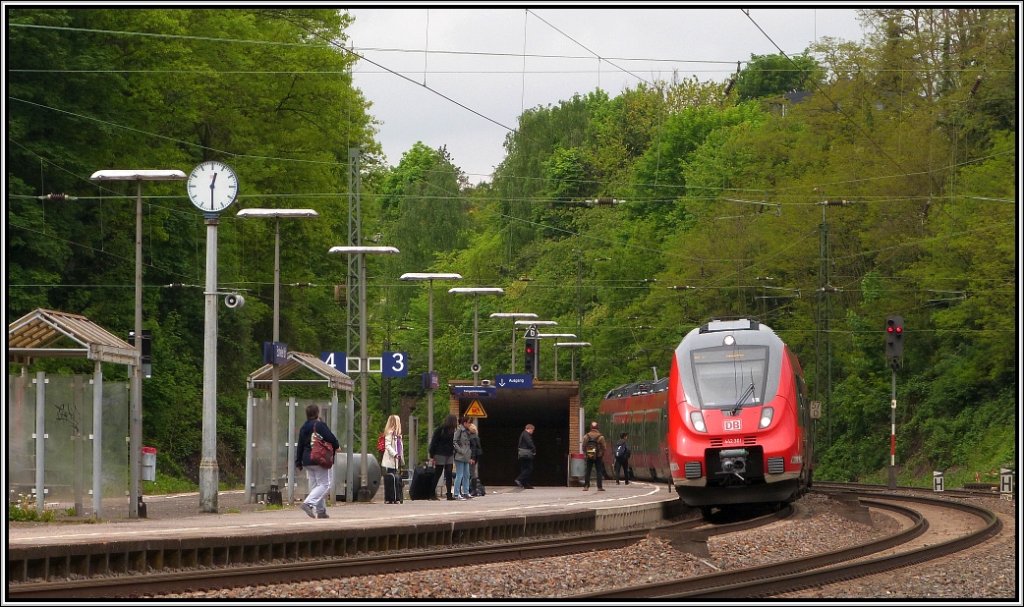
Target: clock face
(212, 186)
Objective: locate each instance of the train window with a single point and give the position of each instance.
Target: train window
(730, 376)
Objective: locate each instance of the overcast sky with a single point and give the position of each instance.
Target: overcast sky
(491, 62)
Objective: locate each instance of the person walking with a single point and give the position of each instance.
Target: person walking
(393, 457)
(527, 451)
(622, 458)
(319, 478)
(593, 448)
(442, 453)
(463, 458)
(477, 451)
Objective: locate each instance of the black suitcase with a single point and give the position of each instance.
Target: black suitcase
(476, 488)
(393, 488)
(422, 486)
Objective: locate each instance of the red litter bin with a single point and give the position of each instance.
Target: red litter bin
(149, 463)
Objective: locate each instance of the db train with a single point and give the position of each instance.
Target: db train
(729, 425)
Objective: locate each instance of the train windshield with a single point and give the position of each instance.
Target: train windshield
(730, 377)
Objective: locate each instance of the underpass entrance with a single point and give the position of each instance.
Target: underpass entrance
(553, 407)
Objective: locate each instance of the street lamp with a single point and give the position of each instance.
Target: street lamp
(430, 277)
(556, 336)
(476, 292)
(573, 346)
(135, 425)
(513, 316)
(364, 489)
(274, 493)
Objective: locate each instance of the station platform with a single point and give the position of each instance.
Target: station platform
(235, 535)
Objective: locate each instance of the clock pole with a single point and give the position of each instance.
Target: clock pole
(208, 470)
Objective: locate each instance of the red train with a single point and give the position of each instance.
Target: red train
(730, 424)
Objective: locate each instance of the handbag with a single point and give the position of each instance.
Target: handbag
(525, 452)
(321, 452)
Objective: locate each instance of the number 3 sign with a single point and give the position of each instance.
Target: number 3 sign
(394, 364)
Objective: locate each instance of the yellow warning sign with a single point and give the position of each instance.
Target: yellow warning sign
(475, 410)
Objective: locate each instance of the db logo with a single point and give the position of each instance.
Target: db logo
(732, 425)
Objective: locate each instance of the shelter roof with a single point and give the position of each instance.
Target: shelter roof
(301, 360)
(48, 333)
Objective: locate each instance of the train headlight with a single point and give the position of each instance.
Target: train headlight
(698, 421)
(766, 417)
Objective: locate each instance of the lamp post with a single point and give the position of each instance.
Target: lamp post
(513, 316)
(430, 277)
(573, 346)
(274, 493)
(364, 489)
(135, 424)
(476, 292)
(556, 336)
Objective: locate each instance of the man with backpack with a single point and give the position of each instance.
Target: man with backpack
(593, 450)
(622, 458)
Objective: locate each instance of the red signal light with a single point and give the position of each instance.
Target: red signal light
(899, 329)
(890, 329)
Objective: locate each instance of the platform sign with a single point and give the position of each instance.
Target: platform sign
(475, 391)
(395, 364)
(515, 381)
(334, 359)
(275, 352)
(475, 410)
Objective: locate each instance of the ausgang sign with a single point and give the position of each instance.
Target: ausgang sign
(516, 381)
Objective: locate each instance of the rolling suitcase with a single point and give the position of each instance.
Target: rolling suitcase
(422, 486)
(393, 488)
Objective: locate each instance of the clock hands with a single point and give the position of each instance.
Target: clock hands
(213, 183)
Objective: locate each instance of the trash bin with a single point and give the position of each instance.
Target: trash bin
(149, 463)
(577, 467)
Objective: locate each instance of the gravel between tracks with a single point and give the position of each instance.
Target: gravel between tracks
(987, 571)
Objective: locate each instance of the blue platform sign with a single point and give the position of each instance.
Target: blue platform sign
(476, 391)
(514, 381)
(334, 359)
(394, 364)
(275, 352)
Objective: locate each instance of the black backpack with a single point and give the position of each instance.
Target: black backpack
(592, 448)
(621, 451)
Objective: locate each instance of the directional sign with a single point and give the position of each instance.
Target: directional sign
(516, 381)
(475, 391)
(475, 410)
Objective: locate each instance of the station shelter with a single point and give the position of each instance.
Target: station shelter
(553, 407)
(270, 435)
(53, 420)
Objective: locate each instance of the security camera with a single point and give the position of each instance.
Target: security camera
(234, 300)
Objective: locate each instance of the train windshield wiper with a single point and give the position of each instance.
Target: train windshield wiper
(743, 397)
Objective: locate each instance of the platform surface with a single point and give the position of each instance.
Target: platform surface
(178, 516)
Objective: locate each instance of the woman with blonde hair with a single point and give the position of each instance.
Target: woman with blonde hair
(392, 459)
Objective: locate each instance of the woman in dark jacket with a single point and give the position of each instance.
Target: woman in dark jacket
(319, 477)
(442, 453)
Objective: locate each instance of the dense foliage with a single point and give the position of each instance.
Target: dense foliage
(911, 136)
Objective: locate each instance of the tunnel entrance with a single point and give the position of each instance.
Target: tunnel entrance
(553, 407)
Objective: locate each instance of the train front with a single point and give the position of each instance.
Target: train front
(734, 431)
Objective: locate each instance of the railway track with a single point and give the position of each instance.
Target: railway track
(823, 569)
(156, 584)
